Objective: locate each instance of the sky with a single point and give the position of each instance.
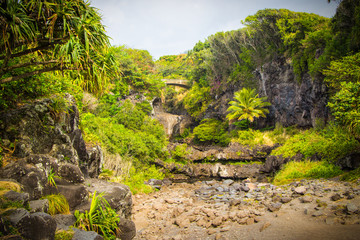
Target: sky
(167, 27)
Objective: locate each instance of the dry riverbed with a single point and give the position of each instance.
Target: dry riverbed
(316, 209)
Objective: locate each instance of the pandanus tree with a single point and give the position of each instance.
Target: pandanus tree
(247, 105)
(40, 36)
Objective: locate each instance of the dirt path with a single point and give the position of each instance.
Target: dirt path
(229, 210)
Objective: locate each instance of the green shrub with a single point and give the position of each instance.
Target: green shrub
(180, 152)
(212, 131)
(57, 204)
(351, 176)
(305, 169)
(138, 177)
(331, 143)
(143, 145)
(100, 218)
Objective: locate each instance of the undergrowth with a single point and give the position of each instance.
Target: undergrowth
(351, 176)
(57, 204)
(330, 144)
(100, 218)
(305, 170)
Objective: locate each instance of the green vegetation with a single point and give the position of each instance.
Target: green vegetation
(330, 144)
(57, 204)
(100, 218)
(351, 176)
(137, 177)
(64, 235)
(305, 169)
(46, 37)
(247, 105)
(212, 131)
(180, 152)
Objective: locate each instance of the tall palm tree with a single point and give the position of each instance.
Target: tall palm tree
(247, 105)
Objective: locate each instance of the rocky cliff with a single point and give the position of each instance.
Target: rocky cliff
(293, 102)
(42, 141)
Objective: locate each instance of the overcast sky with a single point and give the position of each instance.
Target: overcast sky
(165, 27)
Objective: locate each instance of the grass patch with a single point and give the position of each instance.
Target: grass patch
(351, 176)
(305, 170)
(242, 163)
(252, 138)
(57, 204)
(64, 235)
(6, 186)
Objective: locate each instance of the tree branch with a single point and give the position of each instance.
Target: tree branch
(29, 74)
(31, 50)
(7, 69)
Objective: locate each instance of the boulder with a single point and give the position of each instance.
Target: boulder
(117, 195)
(71, 173)
(37, 226)
(64, 221)
(74, 194)
(39, 205)
(127, 229)
(86, 235)
(23, 198)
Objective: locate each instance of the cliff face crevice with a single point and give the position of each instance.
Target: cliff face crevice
(292, 102)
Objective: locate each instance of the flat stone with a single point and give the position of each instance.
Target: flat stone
(351, 208)
(39, 205)
(228, 182)
(273, 207)
(300, 190)
(306, 199)
(285, 199)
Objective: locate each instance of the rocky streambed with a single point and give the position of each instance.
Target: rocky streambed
(316, 209)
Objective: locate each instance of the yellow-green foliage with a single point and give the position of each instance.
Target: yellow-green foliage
(180, 152)
(253, 138)
(351, 176)
(6, 186)
(212, 131)
(330, 143)
(57, 204)
(64, 235)
(100, 218)
(305, 169)
(139, 176)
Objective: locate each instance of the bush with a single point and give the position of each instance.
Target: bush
(351, 176)
(180, 152)
(138, 177)
(331, 143)
(305, 169)
(212, 131)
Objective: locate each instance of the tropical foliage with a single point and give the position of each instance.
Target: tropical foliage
(247, 105)
(44, 36)
(100, 218)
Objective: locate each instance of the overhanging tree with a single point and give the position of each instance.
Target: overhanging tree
(40, 36)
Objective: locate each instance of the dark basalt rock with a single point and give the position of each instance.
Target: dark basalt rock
(127, 229)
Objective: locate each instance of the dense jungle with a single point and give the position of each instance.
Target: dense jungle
(252, 134)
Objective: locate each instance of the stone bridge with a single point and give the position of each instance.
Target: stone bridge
(177, 82)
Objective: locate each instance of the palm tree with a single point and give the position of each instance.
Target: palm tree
(38, 36)
(247, 105)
